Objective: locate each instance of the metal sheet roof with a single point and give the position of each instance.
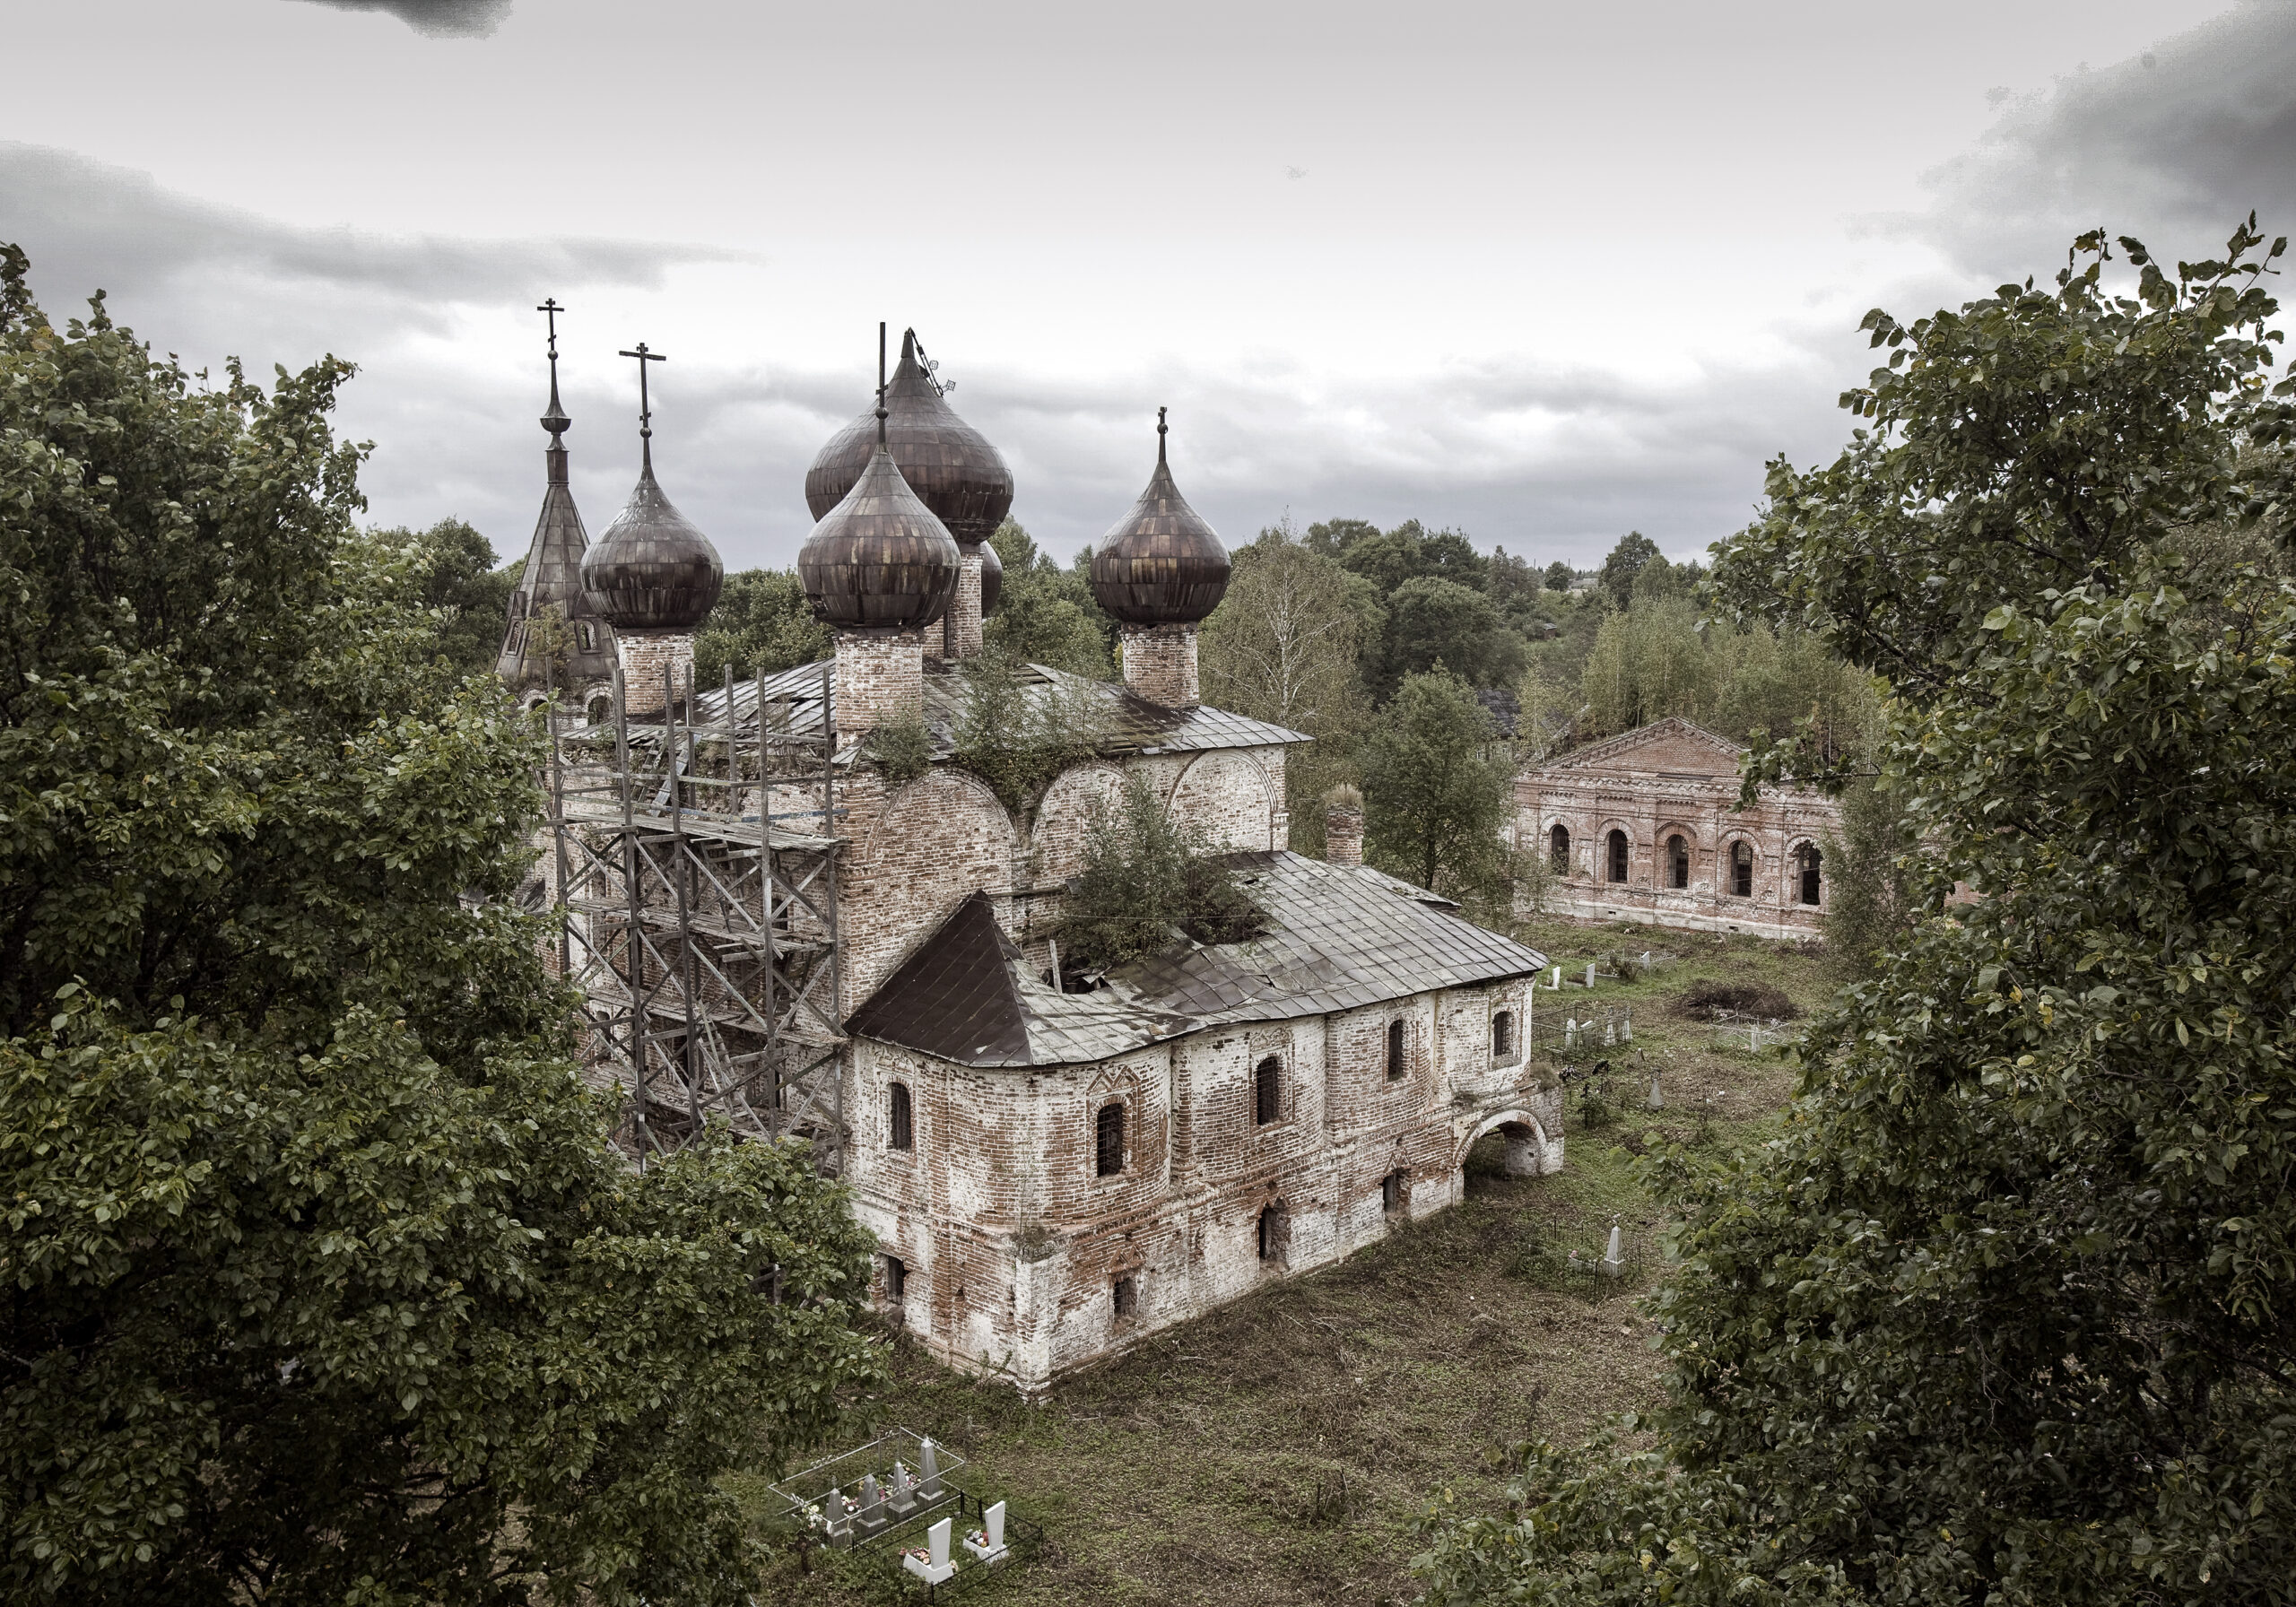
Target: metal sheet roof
(1337, 938)
(1133, 724)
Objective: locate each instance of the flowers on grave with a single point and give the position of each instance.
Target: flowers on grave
(978, 1539)
(920, 1553)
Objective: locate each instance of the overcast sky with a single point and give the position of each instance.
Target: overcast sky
(1540, 271)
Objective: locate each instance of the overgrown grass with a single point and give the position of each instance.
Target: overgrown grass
(1276, 1450)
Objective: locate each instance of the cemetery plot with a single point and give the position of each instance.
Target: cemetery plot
(906, 1493)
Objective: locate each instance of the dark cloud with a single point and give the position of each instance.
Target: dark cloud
(2174, 147)
(439, 18)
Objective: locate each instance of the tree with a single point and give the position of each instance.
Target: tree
(763, 623)
(1435, 798)
(1282, 647)
(1048, 614)
(1332, 537)
(451, 567)
(1625, 562)
(322, 1282)
(2003, 1313)
(1017, 731)
(1146, 882)
(1559, 577)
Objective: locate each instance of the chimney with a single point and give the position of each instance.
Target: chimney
(880, 674)
(1159, 664)
(645, 654)
(1343, 826)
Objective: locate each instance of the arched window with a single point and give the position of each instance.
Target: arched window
(1502, 1037)
(1809, 888)
(1107, 1139)
(1741, 869)
(904, 1133)
(1618, 855)
(600, 710)
(1275, 1234)
(1267, 1089)
(589, 634)
(1677, 862)
(1558, 848)
(1394, 1051)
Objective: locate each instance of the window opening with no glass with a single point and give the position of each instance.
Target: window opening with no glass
(1394, 1051)
(1558, 848)
(1107, 1139)
(903, 1135)
(1741, 869)
(1618, 855)
(1502, 1035)
(1677, 862)
(1266, 1087)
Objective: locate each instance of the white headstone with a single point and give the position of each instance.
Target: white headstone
(938, 1537)
(1626, 1028)
(1590, 973)
(994, 1521)
(1558, 980)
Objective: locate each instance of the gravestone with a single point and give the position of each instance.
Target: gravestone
(901, 1494)
(872, 1517)
(929, 1487)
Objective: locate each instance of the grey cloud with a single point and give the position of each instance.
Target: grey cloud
(88, 224)
(439, 18)
(2173, 147)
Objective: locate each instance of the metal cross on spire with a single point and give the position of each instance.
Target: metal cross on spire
(645, 401)
(880, 382)
(555, 421)
(1160, 429)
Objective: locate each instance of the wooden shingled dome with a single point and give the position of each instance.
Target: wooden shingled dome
(1160, 564)
(947, 462)
(880, 559)
(653, 569)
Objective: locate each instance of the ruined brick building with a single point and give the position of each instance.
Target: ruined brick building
(771, 931)
(1646, 827)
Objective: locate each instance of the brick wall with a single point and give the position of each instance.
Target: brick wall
(644, 656)
(1013, 1242)
(1159, 664)
(879, 675)
(958, 635)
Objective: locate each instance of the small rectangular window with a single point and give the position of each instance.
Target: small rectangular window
(896, 1280)
(1394, 1051)
(1267, 1091)
(1391, 1191)
(902, 1119)
(1107, 1139)
(1502, 1036)
(1127, 1296)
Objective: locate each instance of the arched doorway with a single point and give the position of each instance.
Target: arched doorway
(1528, 1153)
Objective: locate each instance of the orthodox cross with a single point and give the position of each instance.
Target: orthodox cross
(1159, 435)
(645, 401)
(880, 382)
(554, 309)
(555, 421)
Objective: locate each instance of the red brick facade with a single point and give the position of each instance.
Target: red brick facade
(1159, 664)
(645, 655)
(1667, 795)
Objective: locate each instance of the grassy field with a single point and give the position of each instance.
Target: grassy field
(1277, 1450)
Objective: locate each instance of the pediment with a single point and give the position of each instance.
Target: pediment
(1672, 746)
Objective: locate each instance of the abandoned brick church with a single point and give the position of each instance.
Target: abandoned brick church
(1053, 1165)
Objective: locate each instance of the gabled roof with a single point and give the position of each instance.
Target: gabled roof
(1337, 938)
(1133, 726)
(1671, 746)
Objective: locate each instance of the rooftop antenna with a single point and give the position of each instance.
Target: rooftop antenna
(555, 421)
(645, 403)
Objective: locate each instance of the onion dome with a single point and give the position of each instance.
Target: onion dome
(1160, 564)
(991, 579)
(880, 559)
(653, 569)
(949, 465)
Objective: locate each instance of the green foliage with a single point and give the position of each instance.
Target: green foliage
(901, 748)
(1657, 659)
(1559, 577)
(1872, 904)
(2004, 1313)
(1145, 879)
(321, 1282)
(1435, 795)
(1046, 614)
(1018, 730)
(762, 623)
(1283, 647)
(1626, 560)
(451, 567)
